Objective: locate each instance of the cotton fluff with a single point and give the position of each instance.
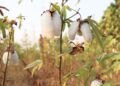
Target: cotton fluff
(56, 23)
(74, 27)
(86, 32)
(47, 25)
(13, 58)
(96, 83)
(50, 24)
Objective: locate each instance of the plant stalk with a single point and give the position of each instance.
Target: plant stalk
(6, 66)
(61, 51)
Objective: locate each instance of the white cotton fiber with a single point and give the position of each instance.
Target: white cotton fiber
(74, 27)
(86, 32)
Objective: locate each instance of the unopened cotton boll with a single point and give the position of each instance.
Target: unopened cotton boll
(13, 58)
(56, 23)
(86, 32)
(74, 27)
(96, 83)
(47, 25)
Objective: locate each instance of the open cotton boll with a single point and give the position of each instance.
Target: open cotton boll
(96, 83)
(56, 23)
(13, 58)
(79, 40)
(86, 32)
(74, 27)
(47, 25)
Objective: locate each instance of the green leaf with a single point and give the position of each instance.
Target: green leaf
(97, 34)
(20, 18)
(82, 72)
(106, 56)
(65, 82)
(64, 12)
(35, 63)
(68, 8)
(4, 33)
(56, 7)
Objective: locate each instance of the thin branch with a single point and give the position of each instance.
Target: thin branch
(6, 66)
(60, 64)
(5, 72)
(76, 13)
(4, 8)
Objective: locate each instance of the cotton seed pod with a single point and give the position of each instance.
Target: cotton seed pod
(96, 83)
(47, 25)
(86, 32)
(74, 27)
(56, 23)
(13, 58)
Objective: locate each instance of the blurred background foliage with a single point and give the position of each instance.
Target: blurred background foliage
(110, 22)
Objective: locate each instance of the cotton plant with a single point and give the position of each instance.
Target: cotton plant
(10, 56)
(54, 21)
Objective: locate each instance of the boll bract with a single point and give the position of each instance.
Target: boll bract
(86, 32)
(50, 24)
(96, 83)
(13, 58)
(74, 27)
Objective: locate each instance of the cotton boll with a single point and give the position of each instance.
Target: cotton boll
(79, 40)
(96, 83)
(13, 58)
(86, 32)
(74, 27)
(56, 23)
(47, 25)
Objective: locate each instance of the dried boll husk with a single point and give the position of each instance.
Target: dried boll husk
(86, 32)
(96, 82)
(51, 24)
(13, 58)
(47, 25)
(56, 23)
(74, 27)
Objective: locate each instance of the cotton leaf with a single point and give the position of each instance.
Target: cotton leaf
(64, 12)
(105, 57)
(97, 33)
(68, 8)
(56, 7)
(34, 64)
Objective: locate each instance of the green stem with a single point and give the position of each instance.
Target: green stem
(76, 12)
(60, 64)
(5, 72)
(6, 66)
